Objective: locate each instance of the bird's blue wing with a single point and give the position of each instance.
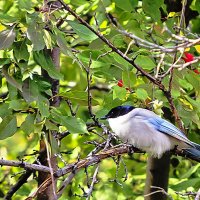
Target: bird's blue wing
(168, 128)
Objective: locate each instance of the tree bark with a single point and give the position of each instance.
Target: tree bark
(48, 193)
(157, 175)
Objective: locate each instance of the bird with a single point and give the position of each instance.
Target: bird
(149, 132)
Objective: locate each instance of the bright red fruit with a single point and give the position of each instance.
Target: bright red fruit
(196, 71)
(120, 83)
(188, 57)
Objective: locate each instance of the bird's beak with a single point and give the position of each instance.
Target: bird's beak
(103, 118)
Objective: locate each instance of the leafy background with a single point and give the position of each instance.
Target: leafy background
(29, 30)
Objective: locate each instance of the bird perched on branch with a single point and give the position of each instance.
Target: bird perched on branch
(147, 131)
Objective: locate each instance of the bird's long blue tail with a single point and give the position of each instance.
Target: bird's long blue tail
(193, 153)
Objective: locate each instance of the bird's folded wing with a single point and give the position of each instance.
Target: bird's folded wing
(167, 128)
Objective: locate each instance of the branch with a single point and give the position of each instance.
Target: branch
(22, 179)
(24, 165)
(114, 49)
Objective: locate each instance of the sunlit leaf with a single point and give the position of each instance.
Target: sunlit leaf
(8, 127)
(7, 37)
(145, 62)
(141, 93)
(18, 104)
(82, 31)
(126, 5)
(119, 92)
(45, 61)
(73, 124)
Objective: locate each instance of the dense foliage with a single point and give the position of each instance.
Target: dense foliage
(131, 53)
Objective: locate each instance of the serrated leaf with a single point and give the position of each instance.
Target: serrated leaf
(7, 37)
(82, 31)
(8, 127)
(145, 62)
(44, 60)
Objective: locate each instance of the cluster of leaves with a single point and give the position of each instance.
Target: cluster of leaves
(30, 30)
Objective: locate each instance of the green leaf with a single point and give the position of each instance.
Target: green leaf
(119, 92)
(35, 34)
(194, 80)
(35, 87)
(74, 125)
(145, 62)
(82, 31)
(24, 4)
(126, 5)
(152, 8)
(28, 125)
(62, 43)
(123, 63)
(18, 104)
(8, 127)
(78, 97)
(43, 59)
(196, 6)
(4, 110)
(185, 84)
(5, 18)
(11, 79)
(43, 105)
(191, 171)
(20, 50)
(51, 126)
(194, 182)
(129, 78)
(141, 94)
(4, 61)
(7, 37)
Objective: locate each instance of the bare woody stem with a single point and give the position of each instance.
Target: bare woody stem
(166, 92)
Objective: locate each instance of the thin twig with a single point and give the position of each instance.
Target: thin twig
(50, 166)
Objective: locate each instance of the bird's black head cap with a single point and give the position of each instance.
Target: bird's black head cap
(118, 111)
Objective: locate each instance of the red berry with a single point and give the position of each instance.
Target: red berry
(120, 83)
(196, 71)
(188, 57)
